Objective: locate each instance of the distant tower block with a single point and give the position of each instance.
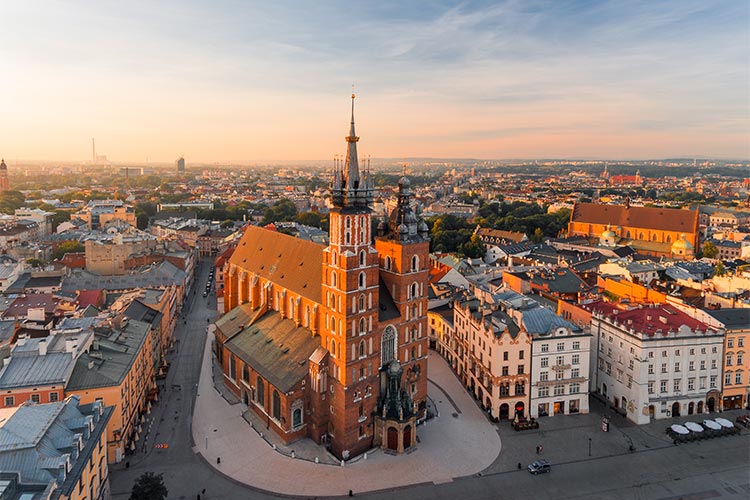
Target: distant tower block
(93, 150)
(180, 164)
(4, 184)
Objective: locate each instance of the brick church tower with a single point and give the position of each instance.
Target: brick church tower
(4, 183)
(350, 295)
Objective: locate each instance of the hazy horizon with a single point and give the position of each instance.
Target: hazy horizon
(225, 82)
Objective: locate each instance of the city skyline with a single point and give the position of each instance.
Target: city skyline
(229, 82)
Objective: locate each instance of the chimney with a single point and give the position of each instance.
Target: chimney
(43, 347)
(71, 344)
(91, 364)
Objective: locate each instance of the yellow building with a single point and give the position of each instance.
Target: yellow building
(662, 232)
(119, 370)
(97, 213)
(735, 388)
(56, 447)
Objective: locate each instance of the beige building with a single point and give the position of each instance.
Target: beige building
(106, 253)
(735, 389)
(97, 213)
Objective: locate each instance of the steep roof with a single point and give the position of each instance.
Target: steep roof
(664, 219)
(273, 346)
(290, 262)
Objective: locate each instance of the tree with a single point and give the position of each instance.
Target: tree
(538, 235)
(68, 247)
(719, 269)
(149, 486)
(35, 262)
(710, 250)
(10, 201)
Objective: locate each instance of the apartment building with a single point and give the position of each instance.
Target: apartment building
(655, 361)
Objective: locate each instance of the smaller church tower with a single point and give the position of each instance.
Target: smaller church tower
(4, 183)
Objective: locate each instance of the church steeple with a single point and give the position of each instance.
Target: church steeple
(351, 187)
(352, 162)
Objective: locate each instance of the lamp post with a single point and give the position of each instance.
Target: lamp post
(589, 446)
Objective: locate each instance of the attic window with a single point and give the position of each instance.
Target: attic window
(268, 341)
(285, 350)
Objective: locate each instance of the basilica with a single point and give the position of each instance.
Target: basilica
(330, 342)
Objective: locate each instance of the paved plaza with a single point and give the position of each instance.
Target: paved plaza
(458, 442)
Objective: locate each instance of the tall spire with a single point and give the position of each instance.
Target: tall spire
(352, 163)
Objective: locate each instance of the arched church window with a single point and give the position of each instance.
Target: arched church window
(362, 258)
(276, 405)
(361, 326)
(387, 263)
(414, 290)
(361, 348)
(362, 281)
(261, 392)
(362, 302)
(415, 263)
(333, 279)
(388, 345)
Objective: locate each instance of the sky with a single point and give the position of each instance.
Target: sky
(246, 81)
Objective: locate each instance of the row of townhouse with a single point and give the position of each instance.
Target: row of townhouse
(111, 358)
(516, 357)
(660, 360)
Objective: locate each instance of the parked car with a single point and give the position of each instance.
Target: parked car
(540, 467)
(205, 294)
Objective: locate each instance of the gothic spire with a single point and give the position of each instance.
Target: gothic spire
(352, 163)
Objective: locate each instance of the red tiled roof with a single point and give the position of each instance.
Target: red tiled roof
(89, 297)
(647, 320)
(664, 219)
(292, 263)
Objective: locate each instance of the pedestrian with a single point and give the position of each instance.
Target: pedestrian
(541, 449)
(537, 449)
(519, 465)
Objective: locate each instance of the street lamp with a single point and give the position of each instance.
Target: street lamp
(589, 446)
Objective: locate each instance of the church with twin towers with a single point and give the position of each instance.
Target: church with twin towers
(330, 342)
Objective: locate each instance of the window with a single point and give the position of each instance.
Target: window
(713, 364)
(504, 390)
(276, 405)
(387, 263)
(545, 362)
(650, 354)
(362, 302)
(691, 366)
(676, 385)
(53, 396)
(713, 350)
(575, 388)
(650, 387)
(630, 381)
(415, 263)
(362, 280)
(520, 355)
(677, 367)
(728, 378)
(362, 258)
(545, 347)
(677, 352)
(664, 368)
(9, 401)
(713, 382)
(261, 390)
(730, 342)
(559, 390)
(691, 384)
(543, 376)
(740, 342)
(664, 354)
(738, 377)
(520, 369)
(35, 398)
(692, 352)
(663, 386)
(609, 368)
(505, 371)
(388, 345)
(576, 345)
(362, 349)
(651, 369)
(703, 364)
(414, 291)
(575, 373)
(575, 359)
(297, 417)
(543, 392)
(631, 364)
(520, 388)
(505, 355)
(729, 359)
(560, 360)
(560, 346)
(232, 368)
(245, 374)
(739, 358)
(362, 326)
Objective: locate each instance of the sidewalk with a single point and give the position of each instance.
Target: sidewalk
(460, 442)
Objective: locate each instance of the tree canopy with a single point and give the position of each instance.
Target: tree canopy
(149, 486)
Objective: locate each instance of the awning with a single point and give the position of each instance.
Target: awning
(679, 429)
(694, 427)
(712, 425)
(724, 422)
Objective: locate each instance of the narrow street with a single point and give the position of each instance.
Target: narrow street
(185, 474)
